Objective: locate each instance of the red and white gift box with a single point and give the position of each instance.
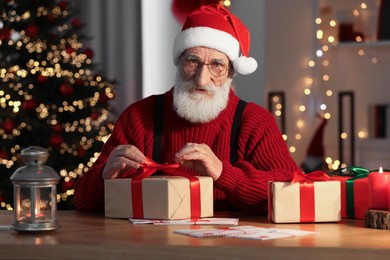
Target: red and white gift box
(309, 197)
(163, 197)
(177, 196)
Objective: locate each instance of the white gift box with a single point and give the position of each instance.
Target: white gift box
(284, 202)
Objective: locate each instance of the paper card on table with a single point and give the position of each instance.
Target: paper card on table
(202, 221)
(217, 232)
(246, 232)
(261, 236)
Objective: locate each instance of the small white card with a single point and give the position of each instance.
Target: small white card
(246, 232)
(201, 221)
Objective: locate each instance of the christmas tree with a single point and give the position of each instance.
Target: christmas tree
(50, 94)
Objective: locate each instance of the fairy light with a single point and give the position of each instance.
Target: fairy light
(362, 134)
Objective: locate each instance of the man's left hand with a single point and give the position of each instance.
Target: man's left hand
(200, 158)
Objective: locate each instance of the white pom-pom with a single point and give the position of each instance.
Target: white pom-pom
(244, 65)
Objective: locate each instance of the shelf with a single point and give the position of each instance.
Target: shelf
(373, 44)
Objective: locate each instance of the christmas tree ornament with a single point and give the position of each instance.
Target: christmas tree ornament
(32, 30)
(66, 90)
(57, 128)
(35, 193)
(56, 140)
(29, 105)
(76, 23)
(4, 154)
(8, 125)
(5, 33)
(89, 53)
(42, 79)
(63, 5)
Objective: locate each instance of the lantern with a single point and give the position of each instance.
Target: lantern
(35, 193)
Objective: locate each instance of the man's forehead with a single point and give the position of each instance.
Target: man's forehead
(201, 51)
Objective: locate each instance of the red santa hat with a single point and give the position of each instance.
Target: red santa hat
(213, 26)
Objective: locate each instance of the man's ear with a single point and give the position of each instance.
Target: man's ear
(232, 72)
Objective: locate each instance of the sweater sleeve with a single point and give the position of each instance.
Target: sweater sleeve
(263, 157)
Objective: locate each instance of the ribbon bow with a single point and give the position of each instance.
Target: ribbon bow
(148, 168)
(299, 176)
(352, 171)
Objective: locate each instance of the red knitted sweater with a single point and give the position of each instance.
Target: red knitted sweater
(262, 153)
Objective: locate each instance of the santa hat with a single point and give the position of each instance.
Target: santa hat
(213, 26)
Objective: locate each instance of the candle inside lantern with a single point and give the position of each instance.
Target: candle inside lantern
(378, 190)
(38, 216)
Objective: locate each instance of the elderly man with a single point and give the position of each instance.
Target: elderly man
(200, 123)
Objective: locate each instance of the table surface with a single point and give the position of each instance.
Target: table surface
(92, 236)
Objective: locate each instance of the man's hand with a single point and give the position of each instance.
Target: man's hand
(200, 158)
(122, 159)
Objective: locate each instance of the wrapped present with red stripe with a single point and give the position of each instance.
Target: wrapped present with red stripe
(311, 197)
(354, 191)
(175, 195)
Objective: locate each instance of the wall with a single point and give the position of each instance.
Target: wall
(253, 15)
(290, 44)
(113, 32)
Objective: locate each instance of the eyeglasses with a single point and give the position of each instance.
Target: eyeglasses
(191, 65)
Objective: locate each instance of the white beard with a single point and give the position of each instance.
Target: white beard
(199, 107)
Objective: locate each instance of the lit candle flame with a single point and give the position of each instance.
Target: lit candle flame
(380, 169)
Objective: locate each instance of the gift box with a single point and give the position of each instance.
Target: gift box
(317, 201)
(354, 193)
(163, 197)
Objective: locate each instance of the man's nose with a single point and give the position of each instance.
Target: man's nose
(203, 77)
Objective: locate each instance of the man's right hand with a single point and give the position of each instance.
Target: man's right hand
(122, 159)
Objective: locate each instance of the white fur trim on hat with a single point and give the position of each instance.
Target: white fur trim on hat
(206, 37)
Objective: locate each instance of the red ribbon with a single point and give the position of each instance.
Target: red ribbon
(149, 168)
(306, 190)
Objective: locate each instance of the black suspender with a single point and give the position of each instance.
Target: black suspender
(236, 131)
(158, 129)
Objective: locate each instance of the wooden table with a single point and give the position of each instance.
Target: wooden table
(91, 236)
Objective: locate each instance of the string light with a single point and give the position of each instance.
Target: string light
(326, 35)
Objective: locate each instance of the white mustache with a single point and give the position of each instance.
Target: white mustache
(192, 87)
